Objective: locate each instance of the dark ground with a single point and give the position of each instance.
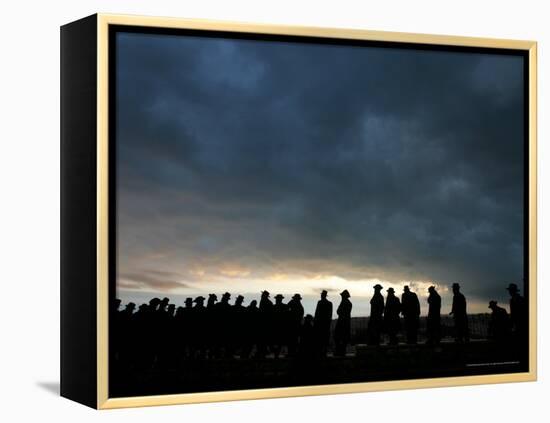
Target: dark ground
(361, 364)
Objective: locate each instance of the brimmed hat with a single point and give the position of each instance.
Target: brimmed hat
(265, 293)
(324, 291)
(296, 297)
(345, 293)
(512, 288)
(492, 303)
(226, 295)
(279, 296)
(188, 300)
(199, 299)
(213, 296)
(378, 286)
(240, 297)
(390, 289)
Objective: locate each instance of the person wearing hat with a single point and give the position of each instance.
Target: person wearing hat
(321, 323)
(281, 322)
(458, 311)
(250, 329)
(212, 298)
(195, 320)
(210, 328)
(374, 329)
(518, 311)
(237, 322)
(499, 325)
(433, 321)
(392, 309)
(296, 314)
(342, 331)
(410, 308)
(265, 325)
(223, 326)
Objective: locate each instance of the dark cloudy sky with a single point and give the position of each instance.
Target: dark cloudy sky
(249, 165)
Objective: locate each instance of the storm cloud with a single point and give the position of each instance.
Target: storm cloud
(262, 161)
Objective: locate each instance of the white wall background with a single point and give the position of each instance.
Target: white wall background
(29, 231)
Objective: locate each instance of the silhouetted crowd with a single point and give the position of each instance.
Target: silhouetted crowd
(159, 333)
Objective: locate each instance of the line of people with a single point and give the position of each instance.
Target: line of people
(385, 316)
(159, 333)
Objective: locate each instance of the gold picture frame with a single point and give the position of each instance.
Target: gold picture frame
(101, 24)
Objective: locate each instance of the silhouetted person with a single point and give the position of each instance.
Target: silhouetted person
(118, 329)
(518, 313)
(499, 325)
(459, 314)
(211, 328)
(280, 324)
(238, 323)
(392, 310)
(376, 316)
(250, 329)
(307, 338)
(153, 336)
(198, 326)
(296, 314)
(342, 331)
(184, 323)
(127, 335)
(265, 333)
(321, 323)
(433, 321)
(410, 307)
(223, 326)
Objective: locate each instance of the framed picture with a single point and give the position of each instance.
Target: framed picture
(254, 211)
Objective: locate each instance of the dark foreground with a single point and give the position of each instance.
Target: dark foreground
(361, 364)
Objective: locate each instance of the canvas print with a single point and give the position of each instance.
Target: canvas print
(301, 211)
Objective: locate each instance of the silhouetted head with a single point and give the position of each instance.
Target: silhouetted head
(297, 297)
(143, 307)
(164, 303)
(179, 311)
(345, 294)
(130, 307)
(199, 300)
(512, 289)
(253, 304)
(239, 300)
(390, 291)
(308, 320)
(117, 303)
(265, 294)
(153, 303)
(324, 293)
(212, 298)
(456, 288)
(171, 309)
(279, 298)
(189, 302)
(492, 304)
(431, 289)
(406, 288)
(378, 287)
(225, 297)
